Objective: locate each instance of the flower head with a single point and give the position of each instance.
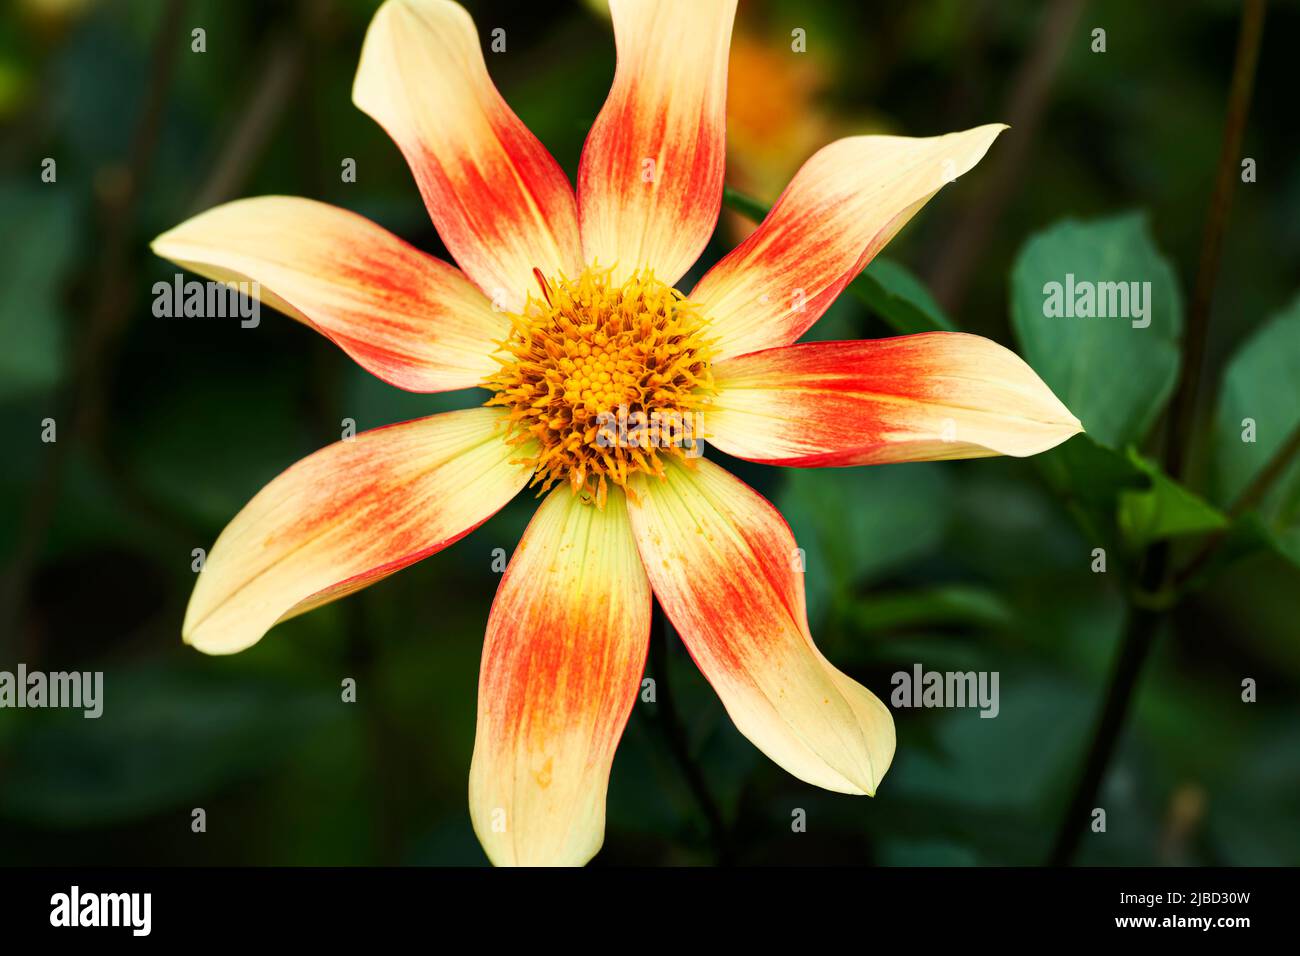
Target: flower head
(564, 305)
(588, 350)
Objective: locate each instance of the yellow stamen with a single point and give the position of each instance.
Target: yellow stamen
(588, 358)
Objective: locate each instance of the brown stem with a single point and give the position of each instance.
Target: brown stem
(1271, 472)
(1182, 410)
(1140, 627)
(280, 75)
(1143, 622)
(1248, 499)
(282, 69)
(959, 256)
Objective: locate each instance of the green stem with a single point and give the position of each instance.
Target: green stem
(747, 206)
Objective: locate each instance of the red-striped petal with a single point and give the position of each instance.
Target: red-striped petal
(924, 397)
(562, 662)
(840, 209)
(408, 318)
(650, 178)
(724, 566)
(499, 200)
(348, 516)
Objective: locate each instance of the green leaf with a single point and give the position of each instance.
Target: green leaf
(1165, 510)
(1088, 479)
(1246, 536)
(1288, 544)
(1123, 496)
(900, 299)
(1083, 471)
(1115, 376)
(31, 273)
(1262, 385)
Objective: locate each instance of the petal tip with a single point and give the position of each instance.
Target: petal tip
(159, 243)
(202, 644)
(1060, 431)
(214, 644)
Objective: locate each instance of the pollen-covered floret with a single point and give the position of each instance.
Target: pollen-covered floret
(588, 354)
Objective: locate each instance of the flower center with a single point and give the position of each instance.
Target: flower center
(605, 378)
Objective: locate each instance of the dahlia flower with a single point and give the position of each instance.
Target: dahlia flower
(564, 305)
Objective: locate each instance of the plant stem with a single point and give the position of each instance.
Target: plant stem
(1140, 627)
(1271, 472)
(1182, 410)
(747, 206)
(1142, 623)
(669, 723)
(1249, 498)
(1026, 102)
(280, 76)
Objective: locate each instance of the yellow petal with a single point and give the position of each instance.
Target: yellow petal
(348, 516)
(403, 315)
(650, 179)
(840, 209)
(724, 566)
(501, 203)
(562, 663)
(924, 397)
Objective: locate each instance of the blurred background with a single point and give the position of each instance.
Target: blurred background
(166, 427)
